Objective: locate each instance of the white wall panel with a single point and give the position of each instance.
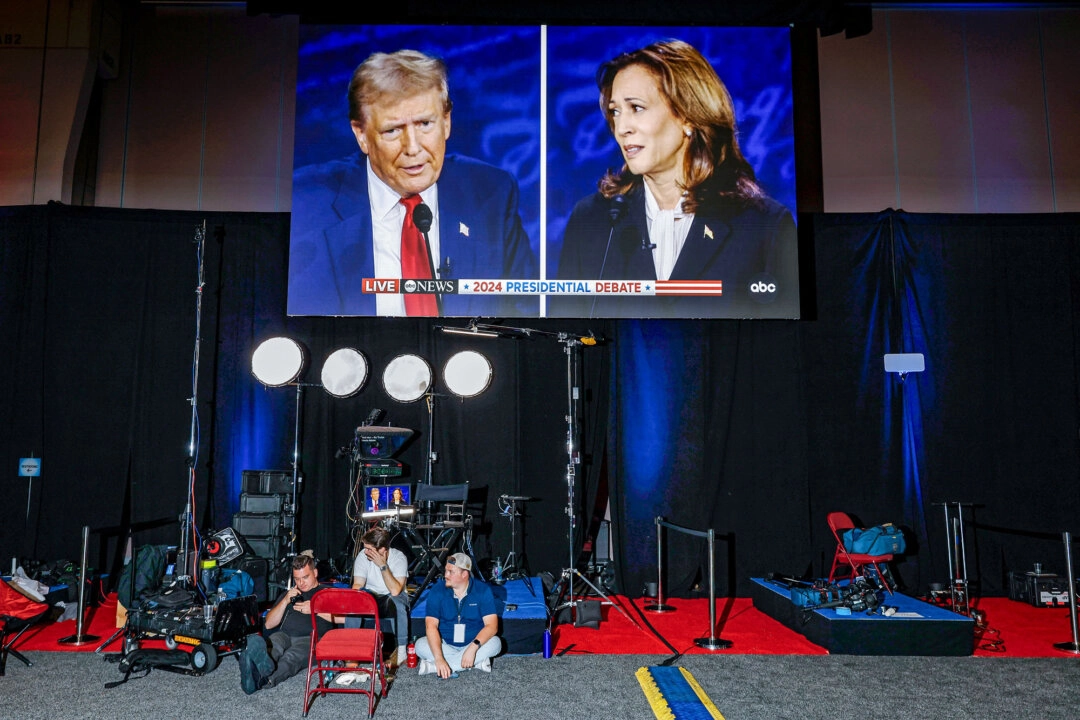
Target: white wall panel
(933, 128)
(250, 101)
(858, 168)
(1012, 152)
(1061, 57)
(934, 111)
(165, 111)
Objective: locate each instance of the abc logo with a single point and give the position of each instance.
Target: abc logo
(410, 286)
(763, 288)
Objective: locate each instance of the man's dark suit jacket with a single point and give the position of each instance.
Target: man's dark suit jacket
(480, 236)
(748, 248)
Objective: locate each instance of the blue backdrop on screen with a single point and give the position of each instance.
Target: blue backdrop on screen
(754, 63)
(494, 75)
(496, 79)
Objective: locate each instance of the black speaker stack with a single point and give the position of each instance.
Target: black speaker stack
(267, 520)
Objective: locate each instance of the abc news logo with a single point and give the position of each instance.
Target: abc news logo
(381, 285)
(763, 288)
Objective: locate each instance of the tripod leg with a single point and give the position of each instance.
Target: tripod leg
(558, 592)
(118, 633)
(604, 595)
(438, 559)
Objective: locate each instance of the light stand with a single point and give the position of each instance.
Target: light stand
(297, 475)
(277, 362)
(573, 457)
(571, 344)
(184, 569)
(959, 598)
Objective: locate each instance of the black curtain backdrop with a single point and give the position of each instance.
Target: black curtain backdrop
(755, 429)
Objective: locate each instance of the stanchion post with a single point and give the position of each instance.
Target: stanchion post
(712, 642)
(79, 638)
(659, 606)
(1074, 646)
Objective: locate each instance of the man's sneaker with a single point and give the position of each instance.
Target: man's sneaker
(400, 657)
(484, 665)
(426, 667)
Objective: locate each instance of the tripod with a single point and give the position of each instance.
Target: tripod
(566, 584)
(514, 566)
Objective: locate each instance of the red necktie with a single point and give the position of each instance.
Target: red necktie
(415, 263)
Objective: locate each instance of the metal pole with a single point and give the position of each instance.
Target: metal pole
(185, 571)
(1074, 646)
(712, 642)
(571, 453)
(949, 546)
(659, 606)
(296, 467)
(963, 544)
(79, 638)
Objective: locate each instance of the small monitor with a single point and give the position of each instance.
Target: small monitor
(381, 442)
(387, 496)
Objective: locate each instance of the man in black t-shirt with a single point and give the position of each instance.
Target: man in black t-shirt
(288, 623)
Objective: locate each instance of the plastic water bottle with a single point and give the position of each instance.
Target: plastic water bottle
(209, 574)
(547, 644)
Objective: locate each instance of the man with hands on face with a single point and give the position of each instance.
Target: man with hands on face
(383, 571)
(461, 624)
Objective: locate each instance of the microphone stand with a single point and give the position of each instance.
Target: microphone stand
(422, 219)
(616, 210)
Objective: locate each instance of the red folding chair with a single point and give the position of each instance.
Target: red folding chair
(341, 645)
(855, 562)
(18, 614)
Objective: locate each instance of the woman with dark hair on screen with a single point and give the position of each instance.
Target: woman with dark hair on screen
(684, 206)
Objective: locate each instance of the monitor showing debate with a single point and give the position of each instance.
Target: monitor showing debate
(544, 171)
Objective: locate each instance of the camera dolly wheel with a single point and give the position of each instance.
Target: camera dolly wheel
(204, 658)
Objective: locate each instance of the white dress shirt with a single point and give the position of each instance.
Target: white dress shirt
(667, 230)
(387, 217)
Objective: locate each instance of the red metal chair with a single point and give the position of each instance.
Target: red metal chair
(856, 562)
(340, 645)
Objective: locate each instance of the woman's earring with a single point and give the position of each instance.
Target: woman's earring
(688, 132)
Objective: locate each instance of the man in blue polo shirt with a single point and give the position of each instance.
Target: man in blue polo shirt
(461, 623)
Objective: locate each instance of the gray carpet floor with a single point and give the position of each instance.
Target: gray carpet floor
(743, 687)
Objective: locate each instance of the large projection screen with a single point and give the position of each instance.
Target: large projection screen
(525, 143)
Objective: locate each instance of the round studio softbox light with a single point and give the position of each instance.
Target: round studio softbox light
(467, 373)
(344, 372)
(278, 361)
(407, 378)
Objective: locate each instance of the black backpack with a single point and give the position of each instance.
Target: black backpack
(149, 569)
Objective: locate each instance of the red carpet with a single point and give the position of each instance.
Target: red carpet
(1023, 631)
(99, 621)
(1014, 630)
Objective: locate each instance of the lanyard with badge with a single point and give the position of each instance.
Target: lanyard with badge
(459, 627)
